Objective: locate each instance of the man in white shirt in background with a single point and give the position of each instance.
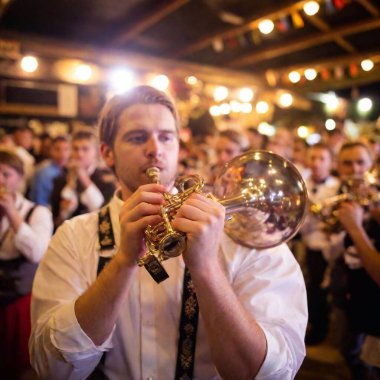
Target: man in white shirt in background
(252, 304)
(85, 187)
(321, 185)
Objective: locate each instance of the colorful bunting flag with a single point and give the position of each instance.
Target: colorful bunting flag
(283, 24)
(354, 70)
(218, 45)
(325, 74)
(338, 72)
(297, 20)
(339, 4)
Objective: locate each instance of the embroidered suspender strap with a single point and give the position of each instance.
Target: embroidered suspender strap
(106, 241)
(187, 330)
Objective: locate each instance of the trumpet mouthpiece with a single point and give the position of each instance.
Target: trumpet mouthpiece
(154, 174)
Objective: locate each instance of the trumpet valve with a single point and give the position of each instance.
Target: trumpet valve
(154, 174)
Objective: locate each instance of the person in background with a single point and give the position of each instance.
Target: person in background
(228, 145)
(23, 136)
(251, 303)
(42, 182)
(321, 185)
(281, 143)
(354, 287)
(42, 151)
(256, 140)
(299, 157)
(84, 187)
(25, 232)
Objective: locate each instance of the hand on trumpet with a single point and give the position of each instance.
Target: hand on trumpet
(351, 215)
(202, 219)
(141, 209)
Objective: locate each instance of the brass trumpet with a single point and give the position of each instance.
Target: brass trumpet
(360, 189)
(265, 200)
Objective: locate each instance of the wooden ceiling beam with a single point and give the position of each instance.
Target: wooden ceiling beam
(304, 43)
(324, 27)
(145, 23)
(58, 49)
(331, 62)
(372, 9)
(276, 11)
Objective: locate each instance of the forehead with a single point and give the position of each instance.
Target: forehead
(83, 143)
(6, 167)
(318, 152)
(147, 116)
(357, 153)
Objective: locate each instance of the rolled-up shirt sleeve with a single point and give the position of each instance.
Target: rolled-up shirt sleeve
(32, 238)
(271, 287)
(92, 197)
(58, 346)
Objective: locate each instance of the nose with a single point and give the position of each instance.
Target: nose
(153, 147)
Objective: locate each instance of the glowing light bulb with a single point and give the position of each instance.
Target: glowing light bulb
(161, 82)
(294, 76)
(311, 8)
(214, 110)
(192, 80)
(83, 72)
(310, 74)
(364, 105)
(245, 95)
(330, 124)
(246, 108)
(286, 100)
(302, 131)
(29, 64)
(220, 93)
(367, 64)
(266, 26)
(262, 107)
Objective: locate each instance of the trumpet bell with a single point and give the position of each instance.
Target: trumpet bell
(265, 199)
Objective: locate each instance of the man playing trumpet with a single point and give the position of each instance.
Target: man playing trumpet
(252, 304)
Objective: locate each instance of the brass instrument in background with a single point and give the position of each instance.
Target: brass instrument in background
(360, 189)
(265, 199)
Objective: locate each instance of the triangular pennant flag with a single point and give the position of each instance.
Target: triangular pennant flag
(330, 9)
(338, 72)
(256, 37)
(283, 24)
(325, 74)
(339, 4)
(354, 70)
(297, 20)
(218, 45)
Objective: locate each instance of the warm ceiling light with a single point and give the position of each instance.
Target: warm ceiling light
(161, 82)
(83, 72)
(220, 93)
(367, 65)
(330, 124)
(225, 109)
(364, 105)
(246, 108)
(121, 80)
(262, 107)
(266, 26)
(214, 110)
(311, 8)
(286, 100)
(294, 76)
(266, 129)
(235, 106)
(302, 131)
(245, 95)
(29, 64)
(192, 80)
(310, 74)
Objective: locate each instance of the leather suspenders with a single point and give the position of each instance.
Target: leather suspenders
(189, 310)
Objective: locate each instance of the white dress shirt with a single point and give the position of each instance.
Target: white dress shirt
(32, 238)
(313, 230)
(143, 344)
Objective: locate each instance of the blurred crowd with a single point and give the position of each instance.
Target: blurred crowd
(45, 180)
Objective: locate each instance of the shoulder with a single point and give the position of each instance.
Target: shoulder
(103, 175)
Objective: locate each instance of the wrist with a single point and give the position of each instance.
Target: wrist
(124, 261)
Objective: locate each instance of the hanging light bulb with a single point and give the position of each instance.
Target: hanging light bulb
(161, 82)
(310, 74)
(286, 100)
(311, 8)
(367, 64)
(262, 107)
(245, 95)
(220, 93)
(83, 72)
(29, 64)
(294, 76)
(266, 26)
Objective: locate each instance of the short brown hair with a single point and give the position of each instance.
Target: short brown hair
(109, 117)
(10, 158)
(322, 146)
(356, 144)
(236, 137)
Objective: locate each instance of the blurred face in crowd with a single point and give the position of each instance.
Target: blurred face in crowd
(24, 138)
(279, 147)
(319, 161)
(255, 139)
(10, 179)
(354, 161)
(84, 152)
(299, 152)
(60, 152)
(226, 150)
(147, 137)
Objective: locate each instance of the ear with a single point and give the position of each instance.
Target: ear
(107, 154)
